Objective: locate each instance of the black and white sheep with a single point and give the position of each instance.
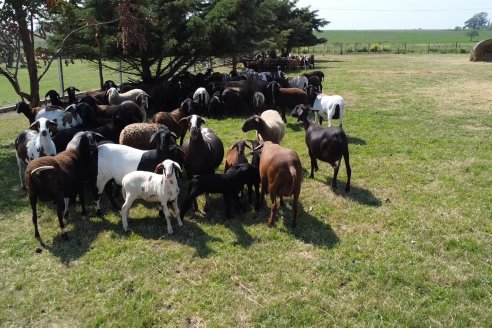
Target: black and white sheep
(60, 178)
(153, 188)
(34, 143)
(269, 126)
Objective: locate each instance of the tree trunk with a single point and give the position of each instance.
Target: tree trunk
(146, 72)
(28, 46)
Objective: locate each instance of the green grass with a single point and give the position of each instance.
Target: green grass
(82, 74)
(416, 36)
(410, 246)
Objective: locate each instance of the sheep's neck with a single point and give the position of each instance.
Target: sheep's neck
(306, 123)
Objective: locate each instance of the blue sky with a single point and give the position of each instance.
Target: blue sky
(396, 14)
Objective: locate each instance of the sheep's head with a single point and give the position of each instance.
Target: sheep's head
(241, 146)
(300, 111)
(251, 123)
(22, 107)
(164, 139)
(108, 85)
(167, 168)
(194, 123)
(112, 92)
(71, 90)
(85, 143)
(44, 126)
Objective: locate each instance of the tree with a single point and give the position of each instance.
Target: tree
(472, 34)
(17, 25)
(477, 22)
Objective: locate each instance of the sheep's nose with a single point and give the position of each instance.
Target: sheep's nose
(44, 133)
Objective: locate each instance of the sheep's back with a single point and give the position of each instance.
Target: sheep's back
(137, 135)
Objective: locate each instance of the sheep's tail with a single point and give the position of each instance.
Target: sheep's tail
(293, 174)
(42, 168)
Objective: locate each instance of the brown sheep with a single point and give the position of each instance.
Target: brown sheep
(60, 178)
(173, 120)
(286, 97)
(235, 155)
(281, 175)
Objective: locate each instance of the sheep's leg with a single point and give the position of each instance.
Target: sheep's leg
(60, 211)
(336, 167)
(176, 211)
(283, 114)
(109, 193)
(263, 190)
(349, 170)
(282, 203)
(66, 202)
(33, 200)
(314, 164)
(340, 119)
(166, 216)
(22, 168)
(82, 202)
(273, 209)
(125, 209)
(257, 195)
(207, 201)
(237, 201)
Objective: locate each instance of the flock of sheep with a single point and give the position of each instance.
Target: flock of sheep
(102, 138)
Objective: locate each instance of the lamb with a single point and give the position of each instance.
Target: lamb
(115, 98)
(269, 126)
(328, 107)
(114, 161)
(34, 143)
(235, 154)
(281, 175)
(287, 97)
(152, 188)
(137, 135)
(227, 184)
(326, 144)
(60, 178)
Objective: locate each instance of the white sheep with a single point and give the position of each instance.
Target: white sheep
(328, 107)
(153, 188)
(34, 143)
(116, 98)
(300, 82)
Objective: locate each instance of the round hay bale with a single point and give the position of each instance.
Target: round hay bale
(482, 51)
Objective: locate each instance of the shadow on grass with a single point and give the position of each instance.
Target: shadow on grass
(357, 194)
(309, 229)
(295, 126)
(356, 141)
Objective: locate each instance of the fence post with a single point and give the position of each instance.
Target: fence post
(120, 74)
(60, 75)
(428, 47)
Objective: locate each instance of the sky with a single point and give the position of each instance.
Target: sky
(396, 14)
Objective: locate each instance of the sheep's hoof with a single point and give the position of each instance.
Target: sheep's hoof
(64, 236)
(170, 232)
(99, 213)
(347, 189)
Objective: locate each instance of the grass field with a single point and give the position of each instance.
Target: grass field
(409, 246)
(416, 36)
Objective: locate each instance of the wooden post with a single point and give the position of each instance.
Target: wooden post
(60, 74)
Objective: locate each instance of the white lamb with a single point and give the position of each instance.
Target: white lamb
(153, 188)
(328, 107)
(202, 98)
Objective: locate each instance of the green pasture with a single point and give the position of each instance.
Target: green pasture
(415, 36)
(409, 246)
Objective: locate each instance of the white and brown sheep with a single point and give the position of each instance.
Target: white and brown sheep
(269, 126)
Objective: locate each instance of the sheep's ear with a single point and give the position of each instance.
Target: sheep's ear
(152, 137)
(52, 123)
(260, 146)
(159, 168)
(187, 119)
(176, 165)
(246, 145)
(175, 136)
(76, 89)
(34, 126)
(202, 120)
